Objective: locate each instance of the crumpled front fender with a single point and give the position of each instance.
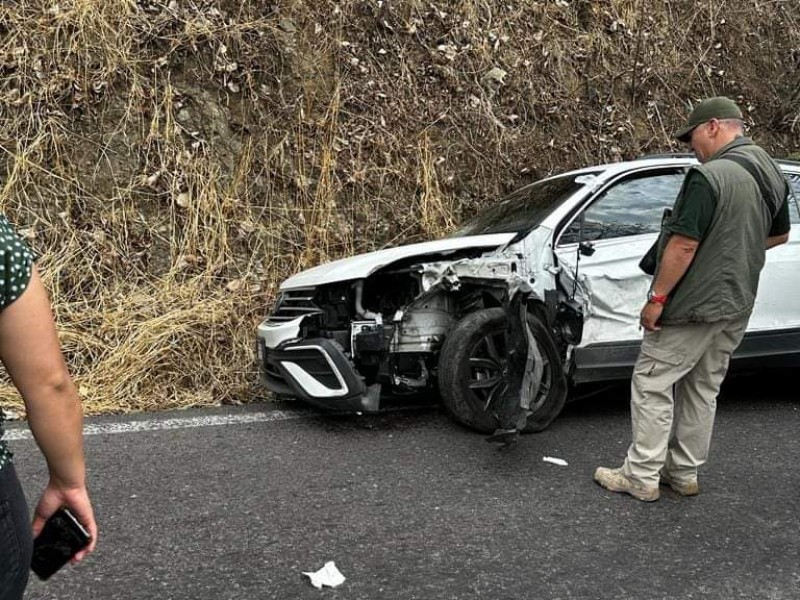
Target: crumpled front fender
(499, 271)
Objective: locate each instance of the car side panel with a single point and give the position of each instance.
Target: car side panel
(611, 287)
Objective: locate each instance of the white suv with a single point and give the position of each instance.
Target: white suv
(422, 317)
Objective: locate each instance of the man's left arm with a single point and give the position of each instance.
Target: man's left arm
(777, 240)
(781, 225)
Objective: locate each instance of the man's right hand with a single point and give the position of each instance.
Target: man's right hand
(651, 313)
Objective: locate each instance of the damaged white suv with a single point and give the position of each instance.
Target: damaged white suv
(422, 317)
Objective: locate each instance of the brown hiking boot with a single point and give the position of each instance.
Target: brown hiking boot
(684, 488)
(614, 481)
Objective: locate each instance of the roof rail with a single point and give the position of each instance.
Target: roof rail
(785, 161)
(667, 155)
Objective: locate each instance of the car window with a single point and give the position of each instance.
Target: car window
(794, 210)
(632, 206)
(524, 208)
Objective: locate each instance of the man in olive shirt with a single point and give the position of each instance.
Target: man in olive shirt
(730, 209)
(694, 210)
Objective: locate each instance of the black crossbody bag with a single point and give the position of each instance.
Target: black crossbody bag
(649, 262)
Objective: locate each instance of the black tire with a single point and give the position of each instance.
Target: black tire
(471, 364)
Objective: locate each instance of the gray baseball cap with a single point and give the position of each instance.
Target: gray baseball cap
(719, 107)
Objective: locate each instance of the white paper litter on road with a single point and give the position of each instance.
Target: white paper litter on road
(328, 575)
(556, 461)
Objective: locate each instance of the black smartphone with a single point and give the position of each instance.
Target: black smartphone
(60, 539)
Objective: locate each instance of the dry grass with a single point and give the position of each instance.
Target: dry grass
(172, 162)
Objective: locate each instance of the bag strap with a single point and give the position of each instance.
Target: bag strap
(754, 172)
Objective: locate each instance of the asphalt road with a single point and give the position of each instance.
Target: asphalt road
(411, 506)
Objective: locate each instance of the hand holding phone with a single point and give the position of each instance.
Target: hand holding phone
(60, 539)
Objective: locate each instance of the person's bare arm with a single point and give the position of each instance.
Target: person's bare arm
(677, 256)
(30, 351)
(777, 240)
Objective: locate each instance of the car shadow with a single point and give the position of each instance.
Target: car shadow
(739, 388)
(592, 402)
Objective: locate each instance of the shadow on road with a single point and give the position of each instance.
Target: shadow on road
(739, 388)
(592, 402)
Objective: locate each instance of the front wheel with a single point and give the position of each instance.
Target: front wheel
(472, 376)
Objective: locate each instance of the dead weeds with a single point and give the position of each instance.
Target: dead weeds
(173, 161)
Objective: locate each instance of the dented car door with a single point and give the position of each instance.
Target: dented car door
(598, 252)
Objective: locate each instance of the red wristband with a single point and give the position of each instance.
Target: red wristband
(656, 299)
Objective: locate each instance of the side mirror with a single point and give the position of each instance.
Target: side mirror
(586, 248)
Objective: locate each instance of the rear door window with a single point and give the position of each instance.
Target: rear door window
(794, 210)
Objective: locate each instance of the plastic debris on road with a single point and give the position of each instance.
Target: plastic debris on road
(556, 461)
(328, 575)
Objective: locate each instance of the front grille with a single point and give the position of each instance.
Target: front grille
(293, 304)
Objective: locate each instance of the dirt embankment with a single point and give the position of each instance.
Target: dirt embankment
(172, 161)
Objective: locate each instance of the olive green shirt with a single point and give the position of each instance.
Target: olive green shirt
(16, 264)
(694, 210)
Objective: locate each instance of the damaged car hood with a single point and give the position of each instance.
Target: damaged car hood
(363, 265)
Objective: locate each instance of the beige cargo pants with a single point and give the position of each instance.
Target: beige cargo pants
(674, 397)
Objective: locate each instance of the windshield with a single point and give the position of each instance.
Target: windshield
(525, 208)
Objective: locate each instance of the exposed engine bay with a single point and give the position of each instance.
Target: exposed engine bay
(391, 325)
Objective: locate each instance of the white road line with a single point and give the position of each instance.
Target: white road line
(162, 424)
